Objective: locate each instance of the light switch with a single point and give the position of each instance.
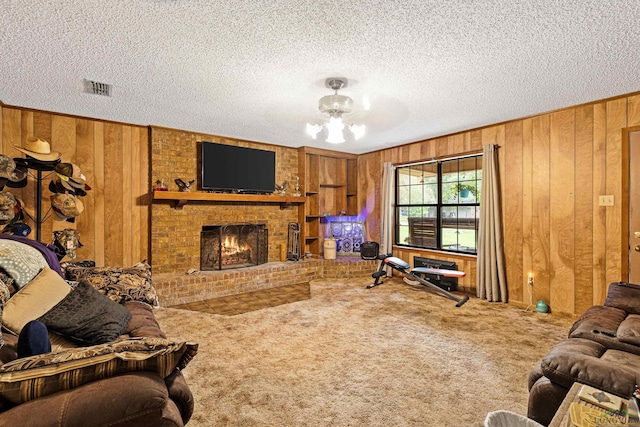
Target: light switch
(605, 200)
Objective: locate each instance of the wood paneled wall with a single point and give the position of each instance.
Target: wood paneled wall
(553, 168)
(114, 227)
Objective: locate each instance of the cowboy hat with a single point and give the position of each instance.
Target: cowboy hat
(39, 149)
(39, 165)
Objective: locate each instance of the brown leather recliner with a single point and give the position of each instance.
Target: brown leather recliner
(603, 351)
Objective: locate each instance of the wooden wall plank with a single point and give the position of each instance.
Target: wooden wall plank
(85, 159)
(63, 140)
(599, 174)
(561, 210)
(633, 111)
(136, 208)
(540, 206)
(42, 128)
(527, 208)
(512, 198)
(113, 184)
(583, 246)
(98, 191)
(616, 120)
(476, 140)
(370, 170)
(11, 137)
(128, 234)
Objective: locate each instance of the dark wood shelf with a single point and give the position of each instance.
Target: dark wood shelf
(181, 198)
(332, 185)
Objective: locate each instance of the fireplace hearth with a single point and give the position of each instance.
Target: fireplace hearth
(229, 246)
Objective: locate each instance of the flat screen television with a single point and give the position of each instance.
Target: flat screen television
(234, 169)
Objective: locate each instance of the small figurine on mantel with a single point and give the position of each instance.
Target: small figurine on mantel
(281, 190)
(160, 185)
(296, 187)
(184, 186)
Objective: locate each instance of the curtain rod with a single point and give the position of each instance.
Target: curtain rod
(446, 156)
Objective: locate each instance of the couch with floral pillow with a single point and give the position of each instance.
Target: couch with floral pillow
(110, 363)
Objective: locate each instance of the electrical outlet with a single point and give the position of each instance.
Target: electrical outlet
(605, 200)
(530, 280)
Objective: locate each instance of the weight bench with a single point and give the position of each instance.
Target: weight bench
(404, 268)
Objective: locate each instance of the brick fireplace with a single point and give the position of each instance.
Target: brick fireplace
(228, 246)
(175, 232)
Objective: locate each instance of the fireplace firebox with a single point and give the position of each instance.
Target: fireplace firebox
(233, 246)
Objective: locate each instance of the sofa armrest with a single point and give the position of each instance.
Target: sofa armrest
(625, 296)
(181, 394)
(143, 322)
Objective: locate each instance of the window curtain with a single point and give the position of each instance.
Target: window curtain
(491, 281)
(388, 207)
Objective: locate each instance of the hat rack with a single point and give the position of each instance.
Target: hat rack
(35, 169)
(38, 214)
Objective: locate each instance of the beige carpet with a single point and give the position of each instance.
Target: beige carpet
(395, 355)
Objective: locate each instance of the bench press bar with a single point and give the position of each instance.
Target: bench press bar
(403, 267)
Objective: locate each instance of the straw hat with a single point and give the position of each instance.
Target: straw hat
(39, 149)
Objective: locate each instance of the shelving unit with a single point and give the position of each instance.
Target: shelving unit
(330, 186)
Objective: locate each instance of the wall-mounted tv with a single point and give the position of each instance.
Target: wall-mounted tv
(234, 169)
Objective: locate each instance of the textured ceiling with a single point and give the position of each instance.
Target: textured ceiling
(255, 69)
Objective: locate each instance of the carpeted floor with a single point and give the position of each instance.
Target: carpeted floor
(395, 355)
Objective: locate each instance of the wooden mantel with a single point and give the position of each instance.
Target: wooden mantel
(181, 198)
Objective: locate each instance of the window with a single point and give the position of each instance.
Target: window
(438, 204)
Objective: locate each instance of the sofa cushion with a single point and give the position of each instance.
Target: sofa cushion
(625, 296)
(602, 325)
(87, 316)
(34, 299)
(33, 377)
(629, 330)
(591, 363)
(119, 284)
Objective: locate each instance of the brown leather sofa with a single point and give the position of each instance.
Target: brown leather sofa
(132, 399)
(602, 350)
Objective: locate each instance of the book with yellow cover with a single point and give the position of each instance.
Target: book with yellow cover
(600, 398)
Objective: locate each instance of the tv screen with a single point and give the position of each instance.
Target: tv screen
(237, 169)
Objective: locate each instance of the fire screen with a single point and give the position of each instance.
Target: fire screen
(233, 246)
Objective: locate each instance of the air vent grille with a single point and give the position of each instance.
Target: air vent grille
(97, 88)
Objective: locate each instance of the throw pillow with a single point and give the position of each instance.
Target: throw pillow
(119, 284)
(20, 261)
(33, 377)
(87, 316)
(34, 299)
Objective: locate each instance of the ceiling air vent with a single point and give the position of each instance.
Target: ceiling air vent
(97, 88)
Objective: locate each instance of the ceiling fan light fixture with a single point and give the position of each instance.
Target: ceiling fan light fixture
(335, 106)
(357, 131)
(313, 130)
(334, 129)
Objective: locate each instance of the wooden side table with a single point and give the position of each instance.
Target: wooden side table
(562, 418)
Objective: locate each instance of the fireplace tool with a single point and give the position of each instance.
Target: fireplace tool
(293, 242)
